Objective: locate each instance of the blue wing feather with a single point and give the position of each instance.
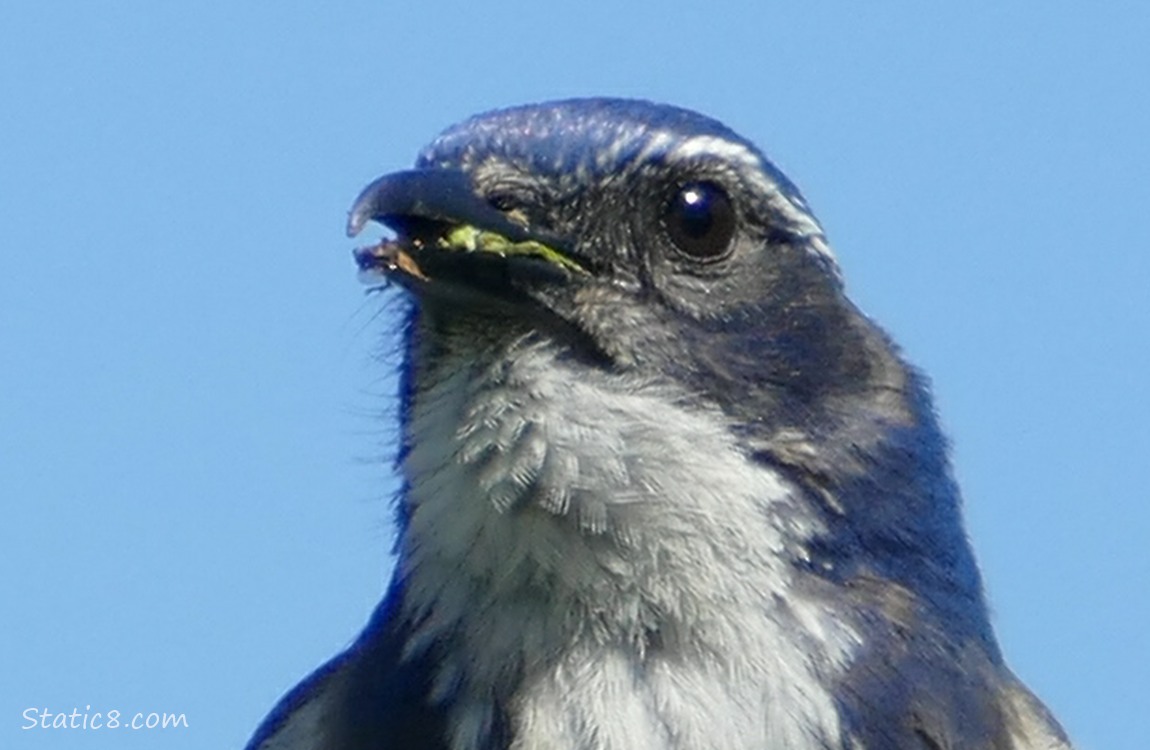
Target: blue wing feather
(368, 697)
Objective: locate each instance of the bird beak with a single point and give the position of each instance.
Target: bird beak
(439, 219)
(441, 195)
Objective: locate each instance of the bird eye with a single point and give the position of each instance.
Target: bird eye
(700, 220)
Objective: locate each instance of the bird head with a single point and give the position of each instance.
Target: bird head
(642, 238)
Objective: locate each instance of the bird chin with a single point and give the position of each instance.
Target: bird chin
(489, 286)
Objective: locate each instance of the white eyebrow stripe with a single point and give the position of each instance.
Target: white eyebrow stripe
(657, 143)
(721, 148)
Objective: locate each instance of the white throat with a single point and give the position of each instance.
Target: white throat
(609, 568)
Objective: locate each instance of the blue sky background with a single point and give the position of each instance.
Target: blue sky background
(194, 415)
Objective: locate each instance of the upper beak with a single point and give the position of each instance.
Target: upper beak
(440, 195)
